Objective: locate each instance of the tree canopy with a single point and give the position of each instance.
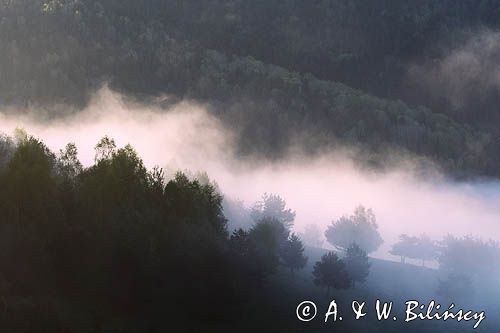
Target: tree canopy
(342, 75)
(330, 272)
(360, 228)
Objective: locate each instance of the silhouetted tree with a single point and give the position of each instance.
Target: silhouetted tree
(357, 265)
(360, 228)
(330, 272)
(292, 254)
(6, 150)
(240, 242)
(268, 238)
(247, 258)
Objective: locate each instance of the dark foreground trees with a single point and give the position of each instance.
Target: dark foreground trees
(330, 272)
(292, 254)
(267, 245)
(114, 247)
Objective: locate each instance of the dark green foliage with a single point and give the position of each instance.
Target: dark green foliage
(268, 237)
(180, 193)
(330, 272)
(292, 254)
(357, 264)
(250, 62)
(6, 149)
(360, 228)
(112, 246)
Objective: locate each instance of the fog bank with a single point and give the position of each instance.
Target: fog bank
(320, 189)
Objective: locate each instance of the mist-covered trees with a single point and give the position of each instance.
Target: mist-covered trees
(469, 255)
(404, 248)
(412, 247)
(467, 265)
(330, 272)
(360, 228)
(237, 214)
(357, 264)
(272, 206)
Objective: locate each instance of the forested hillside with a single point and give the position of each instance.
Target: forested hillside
(274, 70)
(115, 247)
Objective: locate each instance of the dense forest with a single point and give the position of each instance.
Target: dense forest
(117, 245)
(274, 70)
(114, 247)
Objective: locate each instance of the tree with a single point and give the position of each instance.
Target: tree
(330, 272)
(240, 242)
(404, 248)
(104, 149)
(268, 237)
(469, 255)
(193, 203)
(6, 150)
(31, 215)
(357, 264)
(412, 247)
(292, 254)
(360, 228)
(273, 206)
(426, 249)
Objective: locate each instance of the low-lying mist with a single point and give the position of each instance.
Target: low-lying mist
(319, 189)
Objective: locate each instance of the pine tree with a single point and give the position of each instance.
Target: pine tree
(330, 272)
(357, 264)
(293, 254)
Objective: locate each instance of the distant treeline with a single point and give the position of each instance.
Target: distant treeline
(251, 62)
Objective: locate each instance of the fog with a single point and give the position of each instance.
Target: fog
(319, 189)
(465, 72)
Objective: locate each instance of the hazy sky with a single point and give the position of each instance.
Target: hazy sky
(320, 190)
